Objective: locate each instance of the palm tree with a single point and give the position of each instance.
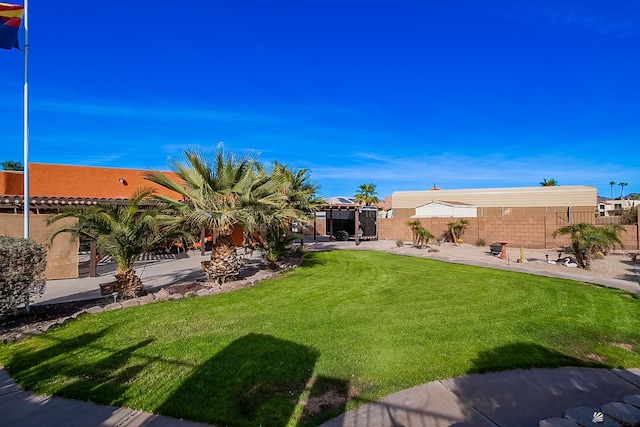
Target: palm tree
(622, 185)
(366, 195)
(300, 192)
(124, 232)
(421, 235)
(456, 228)
(612, 183)
(587, 240)
(549, 182)
(222, 194)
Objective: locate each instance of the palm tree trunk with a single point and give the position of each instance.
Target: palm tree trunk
(577, 251)
(224, 263)
(128, 285)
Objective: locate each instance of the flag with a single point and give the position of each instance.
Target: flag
(10, 20)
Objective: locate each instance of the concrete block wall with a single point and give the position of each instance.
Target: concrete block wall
(535, 232)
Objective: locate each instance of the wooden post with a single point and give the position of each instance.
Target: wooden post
(357, 226)
(202, 241)
(331, 224)
(93, 259)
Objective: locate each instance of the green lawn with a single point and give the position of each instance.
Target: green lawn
(361, 323)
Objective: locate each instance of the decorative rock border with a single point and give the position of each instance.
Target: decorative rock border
(161, 295)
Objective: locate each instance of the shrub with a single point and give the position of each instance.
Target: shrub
(481, 242)
(399, 243)
(22, 265)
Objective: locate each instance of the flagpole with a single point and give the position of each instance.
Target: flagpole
(27, 202)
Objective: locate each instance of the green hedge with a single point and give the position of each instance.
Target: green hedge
(22, 265)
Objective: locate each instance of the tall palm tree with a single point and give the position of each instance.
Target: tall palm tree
(612, 183)
(622, 185)
(221, 194)
(587, 240)
(549, 182)
(366, 195)
(124, 232)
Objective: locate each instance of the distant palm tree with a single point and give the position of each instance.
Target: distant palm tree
(622, 185)
(549, 182)
(612, 183)
(366, 195)
(124, 232)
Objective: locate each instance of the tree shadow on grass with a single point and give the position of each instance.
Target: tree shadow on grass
(312, 259)
(524, 356)
(104, 381)
(28, 366)
(256, 380)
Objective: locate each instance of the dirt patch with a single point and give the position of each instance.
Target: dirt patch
(592, 357)
(623, 345)
(320, 404)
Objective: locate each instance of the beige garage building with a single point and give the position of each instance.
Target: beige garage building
(514, 201)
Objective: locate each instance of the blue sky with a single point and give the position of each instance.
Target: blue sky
(403, 94)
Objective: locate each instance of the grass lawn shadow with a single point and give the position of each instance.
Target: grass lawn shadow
(256, 380)
(524, 356)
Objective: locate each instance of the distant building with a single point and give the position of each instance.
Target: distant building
(615, 207)
(488, 202)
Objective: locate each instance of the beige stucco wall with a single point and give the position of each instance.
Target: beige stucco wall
(62, 256)
(515, 197)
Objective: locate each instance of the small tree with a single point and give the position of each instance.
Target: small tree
(12, 165)
(630, 215)
(549, 182)
(456, 229)
(124, 232)
(22, 265)
(587, 240)
(421, 235)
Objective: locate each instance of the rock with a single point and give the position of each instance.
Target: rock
(203, 292)
(433, 250)
(175, 296)
(189, 294)
(147, 299)
(113, 306)
(161, 296)
(49, 326)
(131, 303)
(95, 309)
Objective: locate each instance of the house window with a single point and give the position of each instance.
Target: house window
(617, 206)
(601, 207)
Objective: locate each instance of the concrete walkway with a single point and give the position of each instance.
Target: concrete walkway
(519, 398)
(23, 409)
(513, 398)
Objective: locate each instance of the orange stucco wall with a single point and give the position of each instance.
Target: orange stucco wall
(11, 183)
(79, 181)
